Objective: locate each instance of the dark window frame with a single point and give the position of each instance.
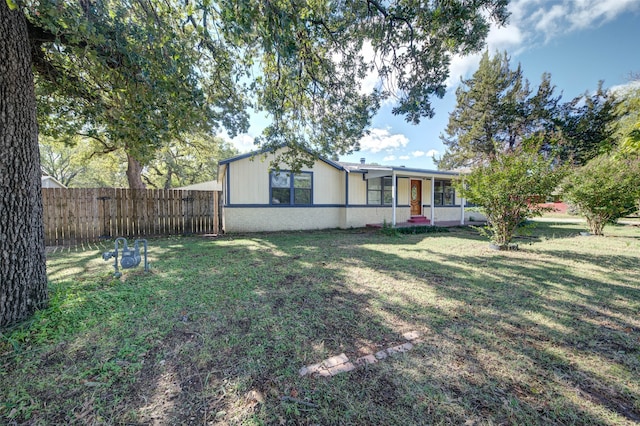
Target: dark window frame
(386, 188)
(440, 196)
(293, 191)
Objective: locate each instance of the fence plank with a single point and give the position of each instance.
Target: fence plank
(84, 215)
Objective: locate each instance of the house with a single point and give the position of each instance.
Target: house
(210, 185)
(51, 182)
(333, 195)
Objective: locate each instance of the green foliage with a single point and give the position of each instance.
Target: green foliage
(313, 58)
(496, 112)
(388, 229)
(132, 76)
(188, 160)
(424, 229)
(506, 189)
(588, 126)
(60, 160)
(137, 74)
(604, 190)
(73, 163)
(184, 161)
(628, 112)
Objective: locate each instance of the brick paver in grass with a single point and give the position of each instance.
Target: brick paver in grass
(341, 364)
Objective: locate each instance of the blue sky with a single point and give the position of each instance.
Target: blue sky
(579, 42)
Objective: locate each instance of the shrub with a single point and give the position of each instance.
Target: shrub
(604, 190)
(421, 229)
(505, 190)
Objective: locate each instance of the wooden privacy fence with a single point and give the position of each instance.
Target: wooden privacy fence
(73, 216)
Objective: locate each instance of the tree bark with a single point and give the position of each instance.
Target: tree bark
(23, 277)
(134, 173)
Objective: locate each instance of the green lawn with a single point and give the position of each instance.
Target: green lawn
(217, 332)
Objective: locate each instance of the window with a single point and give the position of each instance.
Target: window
(444, 194)
(379, 191)
(288, 188)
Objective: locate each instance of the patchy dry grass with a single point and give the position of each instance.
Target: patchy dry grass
(217, 332)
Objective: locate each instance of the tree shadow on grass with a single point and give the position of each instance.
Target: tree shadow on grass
(219, 330)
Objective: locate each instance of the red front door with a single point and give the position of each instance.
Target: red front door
(416, 197)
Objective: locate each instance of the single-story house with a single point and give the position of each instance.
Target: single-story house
(210, 185)
(333, 195)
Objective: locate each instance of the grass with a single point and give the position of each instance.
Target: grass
(218, 330)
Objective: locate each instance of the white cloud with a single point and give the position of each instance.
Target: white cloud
(534, 22)
(404, 157)
(591, 13)
(552, 19)
(380, 139)
(547, 21)
(432, 153)
(418, 154)
(243, 142)
(389, 158)
(504, 38)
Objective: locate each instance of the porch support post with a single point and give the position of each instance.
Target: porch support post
(393, 198)
(433, 195)
(462, 201)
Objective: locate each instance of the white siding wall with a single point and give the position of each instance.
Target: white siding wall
(476, 216)
(249, 182)
(357, 189)
(268, 219)
(360, 216)
(447, 214)
(404, 187)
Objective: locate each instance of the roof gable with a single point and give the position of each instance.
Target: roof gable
(331, 163)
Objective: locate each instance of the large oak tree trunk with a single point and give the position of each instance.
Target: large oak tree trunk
(23, 278)
(134, 173)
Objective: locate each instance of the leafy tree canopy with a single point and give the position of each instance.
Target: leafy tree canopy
(61, 161)
(81, 163)
(136, 74)
(496, 111)
(628, 125)
(132, 76)
(190, 159)
(588, 126)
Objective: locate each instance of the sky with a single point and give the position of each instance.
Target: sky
(579, 42)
